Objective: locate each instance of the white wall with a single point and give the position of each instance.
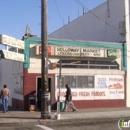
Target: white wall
(89, 27)
(9, 70)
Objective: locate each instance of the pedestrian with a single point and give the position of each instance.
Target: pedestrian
(5, 93)
(39, 99)
(68, 99)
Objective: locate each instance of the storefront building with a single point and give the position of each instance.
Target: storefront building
(95, 72)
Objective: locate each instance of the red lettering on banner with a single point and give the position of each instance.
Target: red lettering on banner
(62, 94)
(116, 79)
(84, 94)
(93, 93)
(74, 94)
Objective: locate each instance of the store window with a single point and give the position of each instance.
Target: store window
(90, 64)
(90, 81)
(76, 81)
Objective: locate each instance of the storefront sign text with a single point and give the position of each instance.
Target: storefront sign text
(11, 41)
(90, 52)
(11, 55)
(67, 51)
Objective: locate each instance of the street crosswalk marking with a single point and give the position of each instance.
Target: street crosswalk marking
(44, 127)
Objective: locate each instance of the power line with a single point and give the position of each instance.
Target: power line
(87, 10)
(63, 21)
(105, 28)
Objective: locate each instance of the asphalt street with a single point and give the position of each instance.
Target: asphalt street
(77, 125)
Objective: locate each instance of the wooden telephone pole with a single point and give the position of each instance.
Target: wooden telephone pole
(45, 95)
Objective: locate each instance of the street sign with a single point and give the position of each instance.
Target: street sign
(11, 41)
(11, 55)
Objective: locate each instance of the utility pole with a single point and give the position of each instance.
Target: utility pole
(45, 95)
(59, 84)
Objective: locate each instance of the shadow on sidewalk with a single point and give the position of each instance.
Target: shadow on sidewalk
(10, 108)
(17, 117)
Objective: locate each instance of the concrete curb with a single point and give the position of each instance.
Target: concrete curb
(38, 122)
(52, 122)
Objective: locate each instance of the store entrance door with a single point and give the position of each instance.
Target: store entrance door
(49, 86)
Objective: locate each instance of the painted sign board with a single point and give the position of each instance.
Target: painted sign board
(68, 51)
(113, 83)
(11, 55)
(105, 87)
(11, 41)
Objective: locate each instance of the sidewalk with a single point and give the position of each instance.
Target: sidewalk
(15, 117)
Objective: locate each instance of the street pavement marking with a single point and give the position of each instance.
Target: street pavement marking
(44, 127)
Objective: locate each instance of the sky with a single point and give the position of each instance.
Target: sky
(16, 14)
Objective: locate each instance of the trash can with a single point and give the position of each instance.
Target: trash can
(62, 105)
(32, 102)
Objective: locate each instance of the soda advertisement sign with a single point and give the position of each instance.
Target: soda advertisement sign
(112, 53)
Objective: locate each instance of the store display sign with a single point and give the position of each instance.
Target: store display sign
(92, 52)
(11, 41)
(67, 51)
(112, 53)
(11, 55)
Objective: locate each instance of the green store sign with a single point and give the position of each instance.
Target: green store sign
(112, 53)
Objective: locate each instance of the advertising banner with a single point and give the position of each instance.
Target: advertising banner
(106, 87)
(113, 83)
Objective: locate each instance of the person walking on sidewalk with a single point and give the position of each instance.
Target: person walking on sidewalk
(68, 99)
(5, 93)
